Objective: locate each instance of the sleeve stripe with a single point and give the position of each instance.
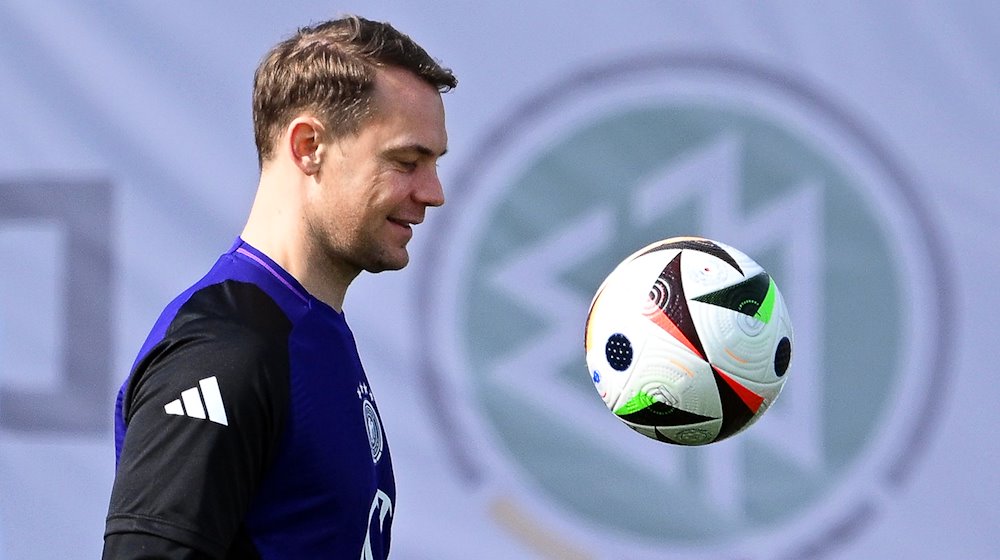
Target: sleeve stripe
(213, 400)
(192, 403)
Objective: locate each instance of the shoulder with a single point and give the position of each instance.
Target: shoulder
(236, 305)
(234, 320)
(232, 331)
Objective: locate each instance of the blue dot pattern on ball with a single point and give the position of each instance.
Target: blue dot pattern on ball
(618, 350)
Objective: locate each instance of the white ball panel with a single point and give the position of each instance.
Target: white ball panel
(668, 367)
(692, 434)
(728, 346)
(702, 273)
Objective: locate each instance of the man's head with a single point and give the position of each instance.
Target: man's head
(329, 70)
(350, 125)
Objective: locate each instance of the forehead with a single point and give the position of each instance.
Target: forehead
(408, 109)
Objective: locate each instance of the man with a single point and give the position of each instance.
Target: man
(247, 428)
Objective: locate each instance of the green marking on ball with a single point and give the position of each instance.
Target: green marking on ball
(767, 306)
(635, 404)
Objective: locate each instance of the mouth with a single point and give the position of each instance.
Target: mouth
(405, 225)
(405, 222)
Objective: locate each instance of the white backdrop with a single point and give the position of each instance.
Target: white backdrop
(869, 133)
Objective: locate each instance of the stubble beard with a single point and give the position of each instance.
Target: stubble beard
(349, 252)
(380, 258)
(363, 253)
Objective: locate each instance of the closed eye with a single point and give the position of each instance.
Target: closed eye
(409, 156)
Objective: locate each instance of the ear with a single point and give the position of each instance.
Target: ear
(305, 138)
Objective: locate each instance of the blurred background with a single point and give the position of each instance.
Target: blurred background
(851, 148)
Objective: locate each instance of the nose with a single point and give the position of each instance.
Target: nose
(430, 192)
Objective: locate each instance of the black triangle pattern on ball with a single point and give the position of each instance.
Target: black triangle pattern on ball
(744, 297)
(698, 244)
(662, 414)
(673, 314)
(735, 412)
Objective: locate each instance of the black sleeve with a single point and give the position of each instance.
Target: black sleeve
(193, 456)
(143, 546)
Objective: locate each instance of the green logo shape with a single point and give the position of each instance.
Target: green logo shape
(767, 306)
(635, 404)
(596, 168)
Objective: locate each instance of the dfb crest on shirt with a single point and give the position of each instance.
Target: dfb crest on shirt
(372, 423)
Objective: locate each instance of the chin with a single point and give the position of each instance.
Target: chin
(389, 263)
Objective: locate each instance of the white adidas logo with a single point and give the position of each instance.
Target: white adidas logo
(190, 403)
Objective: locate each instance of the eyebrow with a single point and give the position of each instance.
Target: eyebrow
(419, 148)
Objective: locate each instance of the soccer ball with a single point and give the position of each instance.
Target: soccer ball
(688, 341)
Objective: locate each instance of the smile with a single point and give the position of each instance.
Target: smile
(405, 225)
(404, 222)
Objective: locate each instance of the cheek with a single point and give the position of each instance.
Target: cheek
(384, 200)
(384, 192)
(331, 218)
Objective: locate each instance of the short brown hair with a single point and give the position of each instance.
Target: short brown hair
(329, 69)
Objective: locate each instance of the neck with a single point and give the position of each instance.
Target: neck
(278, 228)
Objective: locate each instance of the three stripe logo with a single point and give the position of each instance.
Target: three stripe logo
(196, 403)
